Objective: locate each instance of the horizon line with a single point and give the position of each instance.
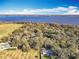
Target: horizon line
(39, 14)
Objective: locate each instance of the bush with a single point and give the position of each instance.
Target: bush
(50, 33)
(24, 48)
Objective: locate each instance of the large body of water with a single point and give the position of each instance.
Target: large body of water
(62, 19)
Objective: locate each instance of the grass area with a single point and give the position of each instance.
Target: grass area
(5, 28)
(48, 57)
(18, 54)
(45, 58)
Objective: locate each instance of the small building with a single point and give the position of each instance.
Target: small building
(4, 46)
(46, 52)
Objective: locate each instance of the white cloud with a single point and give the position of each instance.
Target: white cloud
(72, 7)
(72, 10)
(58, 10)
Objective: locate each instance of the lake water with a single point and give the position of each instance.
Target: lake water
(62, 19)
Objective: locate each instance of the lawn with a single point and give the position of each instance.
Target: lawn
(18, 54)
(6, 28)
(48, 57)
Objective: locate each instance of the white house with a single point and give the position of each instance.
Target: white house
(4, 46)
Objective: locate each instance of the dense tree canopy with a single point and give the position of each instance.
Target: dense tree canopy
(62, 39)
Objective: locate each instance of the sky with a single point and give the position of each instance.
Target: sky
(39, 6)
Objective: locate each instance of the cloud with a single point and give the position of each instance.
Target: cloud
(58, 10)
(72, 10)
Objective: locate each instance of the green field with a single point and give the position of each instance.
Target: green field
(6, 29)
(18, 54)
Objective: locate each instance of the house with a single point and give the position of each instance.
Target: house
(4, 46)
(46, 52)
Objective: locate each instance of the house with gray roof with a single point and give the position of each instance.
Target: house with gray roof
(46, 52)
(4, 46)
